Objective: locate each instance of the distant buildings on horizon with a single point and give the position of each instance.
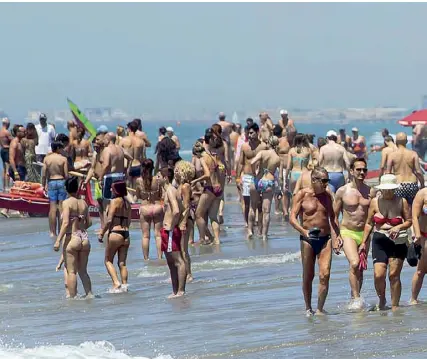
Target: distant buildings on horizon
(343, 115)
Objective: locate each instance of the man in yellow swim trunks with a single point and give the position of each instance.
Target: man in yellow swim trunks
(353, 200)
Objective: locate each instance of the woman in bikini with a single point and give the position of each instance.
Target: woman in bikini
(184, 174)
(224, 156)
(389, 217)
(419, 218)
(82, 150)
(149, 190)
(74, 238)
(197, 189)
(298, 158)
(119, 216)
(269, 162)
(212, 193)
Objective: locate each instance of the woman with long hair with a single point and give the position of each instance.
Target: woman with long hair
(210, 199)
(29, 143)
(184, 174)
(73, 236)
(298, 159)
(389, 217)
(167, 154)
(119, 216)
(197, 188)
(223, 153)
(149, 190)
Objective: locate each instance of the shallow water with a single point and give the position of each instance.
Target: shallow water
(245, 302)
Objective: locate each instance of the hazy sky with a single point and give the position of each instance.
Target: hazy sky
(190, 57)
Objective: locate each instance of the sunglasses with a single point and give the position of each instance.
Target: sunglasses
(361, 170)
(323, 180)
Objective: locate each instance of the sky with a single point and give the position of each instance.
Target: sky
(189, 58)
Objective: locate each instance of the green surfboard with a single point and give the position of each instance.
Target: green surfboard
(82, 120)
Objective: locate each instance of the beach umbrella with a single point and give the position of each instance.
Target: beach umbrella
(81, 119)
(415, 118)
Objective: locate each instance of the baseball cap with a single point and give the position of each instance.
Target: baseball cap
(283, 112)
(42, 116)
(5, 120)
(331, 133)
(169, 129)
(221, 115)
(354, 129)
(102, 128)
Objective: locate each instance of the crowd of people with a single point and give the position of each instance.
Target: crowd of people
(319, 189)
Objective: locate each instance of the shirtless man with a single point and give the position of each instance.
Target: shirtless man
(333, 157)
(344, 139)
(246, 172)
(17, 169)
(72, 129)
(135, 148)
(405, 165)
(5, 139)
(419, 140)
(234, 138)
(171, 235)
(285, 121)
(313, 216)
(173, 137)
(266, 126)
(389, 147)
(95, 171)
(353, 202)
(358, 144)
(227, 127)
(54, 174)
(141, 133)
(113, 165)
(282, 150)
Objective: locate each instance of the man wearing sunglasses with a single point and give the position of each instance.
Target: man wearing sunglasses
(353, 202)
(319, 234)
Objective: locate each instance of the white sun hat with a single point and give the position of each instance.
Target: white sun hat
(169, 129)
(283, 112)
(331, 133)
(388, 181)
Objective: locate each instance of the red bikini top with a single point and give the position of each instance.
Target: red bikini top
(391, 221)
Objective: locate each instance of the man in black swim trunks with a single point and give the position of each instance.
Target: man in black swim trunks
(313, 205)
(5, 140)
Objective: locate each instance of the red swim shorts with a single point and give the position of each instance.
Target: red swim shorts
(171, 244)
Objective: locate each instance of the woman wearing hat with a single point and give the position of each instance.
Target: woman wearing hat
(389, 218)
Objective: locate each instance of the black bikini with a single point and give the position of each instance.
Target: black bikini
(121, 232)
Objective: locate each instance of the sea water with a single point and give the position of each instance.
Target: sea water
(245, 302)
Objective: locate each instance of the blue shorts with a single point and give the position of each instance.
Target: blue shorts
(337, 180)
(56, 190)
(109, 179)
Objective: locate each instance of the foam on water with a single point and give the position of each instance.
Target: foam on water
(226, 264)
(86, 350)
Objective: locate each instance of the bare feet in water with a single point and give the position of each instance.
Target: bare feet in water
(177, 295)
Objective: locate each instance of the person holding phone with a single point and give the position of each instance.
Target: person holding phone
(319, 235)
(389, 217)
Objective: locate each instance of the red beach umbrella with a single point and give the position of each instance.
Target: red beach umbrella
(415, 118)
